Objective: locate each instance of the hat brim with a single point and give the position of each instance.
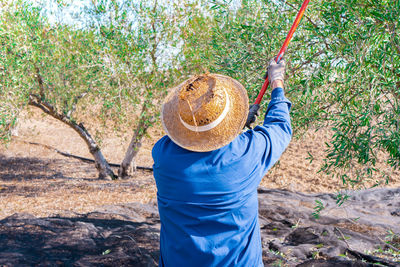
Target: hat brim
(222, 134)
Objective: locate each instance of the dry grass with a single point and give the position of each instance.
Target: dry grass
(295, 172)
(39, 181)
(46, 187)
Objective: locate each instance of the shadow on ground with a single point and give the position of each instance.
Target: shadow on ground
(128, 235)
(29, 168)
(95, 239)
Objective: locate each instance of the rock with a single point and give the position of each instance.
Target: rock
(303, 236)
(395, 212)
(360, 224)
(128, 234)
(333, 263)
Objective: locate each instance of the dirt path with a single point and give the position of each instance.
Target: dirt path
(47, 187)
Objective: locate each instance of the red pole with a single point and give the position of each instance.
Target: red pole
(283, 48)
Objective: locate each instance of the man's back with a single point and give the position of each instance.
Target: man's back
(208, 200)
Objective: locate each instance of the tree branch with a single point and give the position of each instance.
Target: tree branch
(50, 110)
(145, 121)
(393, 33)
(86, 160)
(342, 237)
(37, 104)
(156, 41)
(39, 79)
(101, 163)
(307, 17)
(320, 52)
(75, 102)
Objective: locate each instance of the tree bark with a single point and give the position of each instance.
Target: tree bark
(104, 169)
(128, 166)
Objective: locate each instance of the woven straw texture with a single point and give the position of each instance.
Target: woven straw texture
(199, 101)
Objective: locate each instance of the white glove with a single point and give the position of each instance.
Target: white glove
(276, 71)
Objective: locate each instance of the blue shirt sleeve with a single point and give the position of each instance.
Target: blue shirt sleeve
(272, 138)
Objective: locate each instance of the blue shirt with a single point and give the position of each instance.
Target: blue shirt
(208, 200)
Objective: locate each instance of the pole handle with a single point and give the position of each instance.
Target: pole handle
(262, 91)
(283, 48)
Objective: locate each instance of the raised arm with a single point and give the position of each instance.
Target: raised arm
(272, 138)
(276, 128)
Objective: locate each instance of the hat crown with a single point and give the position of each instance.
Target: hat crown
(201, 100)
(218, 105)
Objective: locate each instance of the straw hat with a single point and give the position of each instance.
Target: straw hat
(205, 112)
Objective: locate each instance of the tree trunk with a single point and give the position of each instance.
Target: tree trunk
(104, 169)
(128, 166)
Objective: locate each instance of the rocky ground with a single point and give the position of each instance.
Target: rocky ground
(354, 234)
(55, 212)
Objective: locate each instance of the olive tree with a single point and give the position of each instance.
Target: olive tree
(362, 78)
(51, 67)
(139, 41)
(343, 70)
(114, 62)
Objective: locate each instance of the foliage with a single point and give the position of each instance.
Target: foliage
(343, 66)
(318, 208)
(134, 37)
(394, 238)
(8, 118)
(343, 71)
(52, 62)
(112, 65)
(52, 67)
(364, 41)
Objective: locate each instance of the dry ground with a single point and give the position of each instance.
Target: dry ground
(38, 180)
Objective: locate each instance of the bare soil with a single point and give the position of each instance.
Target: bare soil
(39, 181)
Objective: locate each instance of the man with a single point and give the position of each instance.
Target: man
(207, 173)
